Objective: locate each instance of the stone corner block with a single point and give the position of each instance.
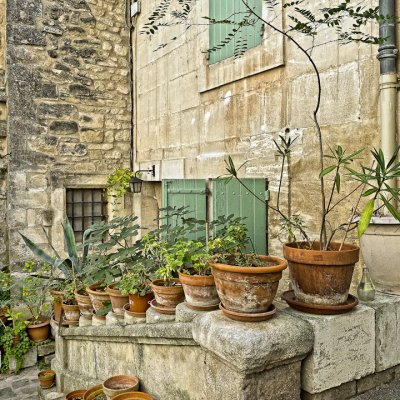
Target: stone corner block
(387, 330)
(154, 317)
(254, 347)
(46, 349)
(186, 314)
(30, 359)
(344, 348)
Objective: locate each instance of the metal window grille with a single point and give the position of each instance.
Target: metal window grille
(85, 207)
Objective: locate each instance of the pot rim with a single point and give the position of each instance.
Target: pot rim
(91, 290)
(72, 395)
(124, 377)
(47, 371)
(196, 280)
(71, 307)
(349, 255)
(45, 321)
(114, 292)
(281, 264)
(157, 281)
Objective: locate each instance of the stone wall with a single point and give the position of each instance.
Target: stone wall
(187, 110)
(69, 112)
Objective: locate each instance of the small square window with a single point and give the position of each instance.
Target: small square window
(85, 207)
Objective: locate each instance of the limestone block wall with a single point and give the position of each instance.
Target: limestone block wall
(69, 111)
(187, 110)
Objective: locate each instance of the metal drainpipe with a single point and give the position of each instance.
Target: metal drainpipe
(387, 57)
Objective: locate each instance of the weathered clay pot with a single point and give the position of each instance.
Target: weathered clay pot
(40, 331)
(71, 312)
(248, 290)
(133, 396)
(200, 291)
(94, 391)
(169, 296)
(57, 304)
(140, 304)
(318, 276)
(46, 378)
(117, 299)
(76, 394)
(98, 296)
(120, 384)
(84, 303)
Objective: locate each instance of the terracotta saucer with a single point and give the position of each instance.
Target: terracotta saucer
(162, 309)
(244, 317)
(132, 313)
(320, 309)
(201, 308)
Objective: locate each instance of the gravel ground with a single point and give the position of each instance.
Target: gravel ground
(390, 391)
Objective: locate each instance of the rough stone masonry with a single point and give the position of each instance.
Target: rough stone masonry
(67, 79)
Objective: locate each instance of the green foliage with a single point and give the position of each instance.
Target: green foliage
(118, 182)
(137, 280)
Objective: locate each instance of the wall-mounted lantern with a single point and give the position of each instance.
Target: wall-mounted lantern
(136, 183)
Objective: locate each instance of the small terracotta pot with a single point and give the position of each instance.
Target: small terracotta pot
(39, 332)
(71, 312)
(140, 304)
(46, 378)
(84, 303)
(133, 396)
(168, 296)
(75, 395)
(120, 384)
(57, 304)
(248, 290)
(318, 276)
(117, 299)
(92, 392)
(200, 291)
(98, 297)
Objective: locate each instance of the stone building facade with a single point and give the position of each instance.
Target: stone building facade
(65, 66)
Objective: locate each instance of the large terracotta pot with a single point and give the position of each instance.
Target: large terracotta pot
(57, 304)
(168, 296)
(84, 303)
(94, 391)
(98, 296)
(140, 304)
(248, 290)
(318, 276)
(117, 299)
(120, 384)
(76, 394)
(133, 396)
(71, 312)
(40, 331)
(200, 291)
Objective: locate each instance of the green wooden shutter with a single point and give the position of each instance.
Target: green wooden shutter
(189, 193)
(234, 10)
(233, 198)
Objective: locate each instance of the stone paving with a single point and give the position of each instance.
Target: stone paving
(390, 391)
(23, 386)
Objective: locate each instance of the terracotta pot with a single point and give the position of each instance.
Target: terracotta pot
(98, 296)
(248, 290)
(169, 296)
(140, 304)
(84, 303)
(318, 276)
(117, 299)
(71, 312)
(75, 395)
(46, 378)
(120, 384)
(200, 291)
(39, 332)
(57, 304)
(133, 396)
(94, 391)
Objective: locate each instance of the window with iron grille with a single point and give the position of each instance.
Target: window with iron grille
(85, 207)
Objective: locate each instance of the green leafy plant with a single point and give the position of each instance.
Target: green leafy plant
(118, 182)
(137, 280)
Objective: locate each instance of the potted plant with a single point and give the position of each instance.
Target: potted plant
(193, 260)
(136, 284)
(47, 378)
(167, 289)
(95, 393)
(14, 340)
(70, 305)
(117, 298)
(83, 300)
(119, 384)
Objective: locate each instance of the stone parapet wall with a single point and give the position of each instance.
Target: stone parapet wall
(69, 111)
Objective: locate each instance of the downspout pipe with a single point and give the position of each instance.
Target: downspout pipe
(387, 57)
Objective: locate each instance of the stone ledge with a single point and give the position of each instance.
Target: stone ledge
(254, 347)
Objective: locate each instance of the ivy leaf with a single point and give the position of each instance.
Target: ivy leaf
(365, 218)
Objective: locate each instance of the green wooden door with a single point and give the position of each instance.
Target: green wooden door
(190, 193)
(233, 198)
(223, 37)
